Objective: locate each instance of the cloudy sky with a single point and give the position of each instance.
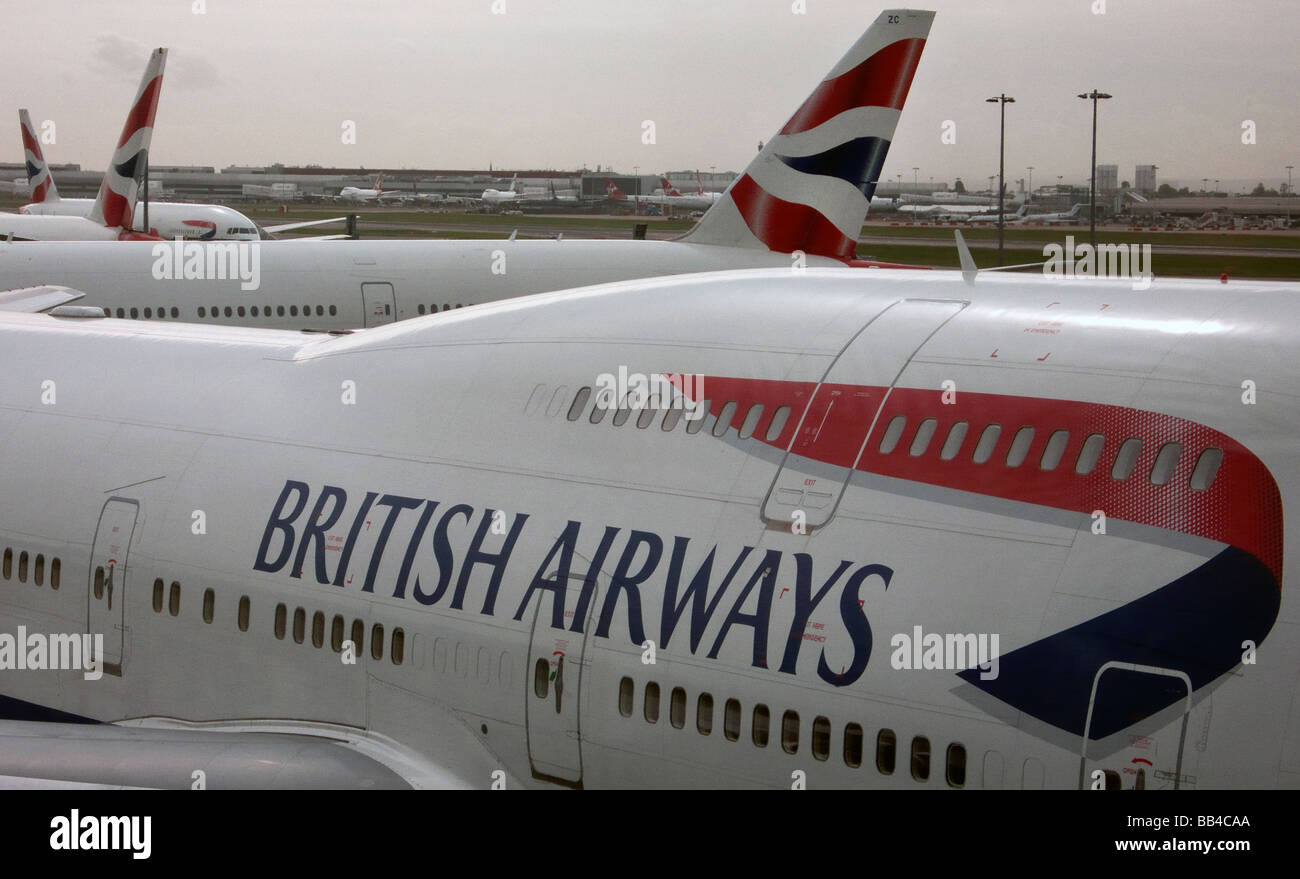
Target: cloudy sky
(567, 83)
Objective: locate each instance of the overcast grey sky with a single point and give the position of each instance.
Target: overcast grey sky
(567, 83)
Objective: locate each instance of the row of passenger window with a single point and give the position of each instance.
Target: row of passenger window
(37, 566)
(1126, 458)
(433, 309)
(209, 603)
(265, 311)
(680, 410)
(397, 645)
(760, 732)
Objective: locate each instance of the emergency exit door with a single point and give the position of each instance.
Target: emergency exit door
(556, 661)
(379, 303)
(109, 576)
(840, 416)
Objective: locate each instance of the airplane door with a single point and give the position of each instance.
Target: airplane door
(379, 304)
(556, 659)
(841, 413)
(1137, 761)
(108, 576)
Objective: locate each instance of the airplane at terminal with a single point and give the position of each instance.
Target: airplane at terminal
(801, 201)
(703, 531)
(1058, 217)
(112, 214)
(1019, 216)
(166, 219)
(357, 194)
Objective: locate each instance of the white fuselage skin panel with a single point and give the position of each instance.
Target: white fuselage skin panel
(473, 409)
(169, 219)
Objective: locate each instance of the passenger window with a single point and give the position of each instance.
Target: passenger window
(280, 614)
(892, 434)
(731, 720)
(677, 708)
(704, 714)
(1166, 461)
(821, 738)
(790, 732)
(1127, 458)
(157, 595)
(244, 607)
(988, 440)
(377, 641)
(604, 402)
(956, 771)
(886, 748)
(8, 563)
(1089, 454)
(541, 678)
(318, 629)
(777, 424)
(55, 569)
(336, 633)
(202, 312)
(174, 599)
(38, 575)
(698, 413)
(751, 420)
(209, 602)
(99, 583)
(299, 625)
(579, 402)
(22, 566)
(1020, 446)
(622, 413)
(651, 709)
(358, 636)
(853, 745)
(648, 414)
(1112, 780)
(762, 722)
(1207, 467)
(921, 758)
(625, 695)
(956, 436)
(1054, 450)
(924, 433)
(671, 417)
(398, 643)
(724, 418)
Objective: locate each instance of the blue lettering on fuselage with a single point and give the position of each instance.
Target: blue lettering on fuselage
(296, 536)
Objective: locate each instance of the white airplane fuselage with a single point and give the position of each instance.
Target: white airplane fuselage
(350, 284)
(450, 478)
(167, 219)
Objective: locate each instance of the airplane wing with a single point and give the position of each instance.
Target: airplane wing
(170, 754)
(285, 227)
(34, 299)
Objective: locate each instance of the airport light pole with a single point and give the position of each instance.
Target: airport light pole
(1093, 96)
(1031, 183)
(916, 183)
(1002, 101)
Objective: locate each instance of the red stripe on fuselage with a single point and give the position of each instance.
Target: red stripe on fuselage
(1242, 507)
(880, 81)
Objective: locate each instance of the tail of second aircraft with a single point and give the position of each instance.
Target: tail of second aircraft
(668, 188)
(115, 205)
(809, 188)
(38, 173)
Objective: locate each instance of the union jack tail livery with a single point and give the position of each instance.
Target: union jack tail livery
(810, 186)
(668, 188)
(115, 205)
(613, 191)
(38, 173)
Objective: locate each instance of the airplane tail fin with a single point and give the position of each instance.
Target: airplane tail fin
(613, 191)
(810, 186)
(699, 181)
(668, 188)
(379, 181)
(38, 173)
(115, 205)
